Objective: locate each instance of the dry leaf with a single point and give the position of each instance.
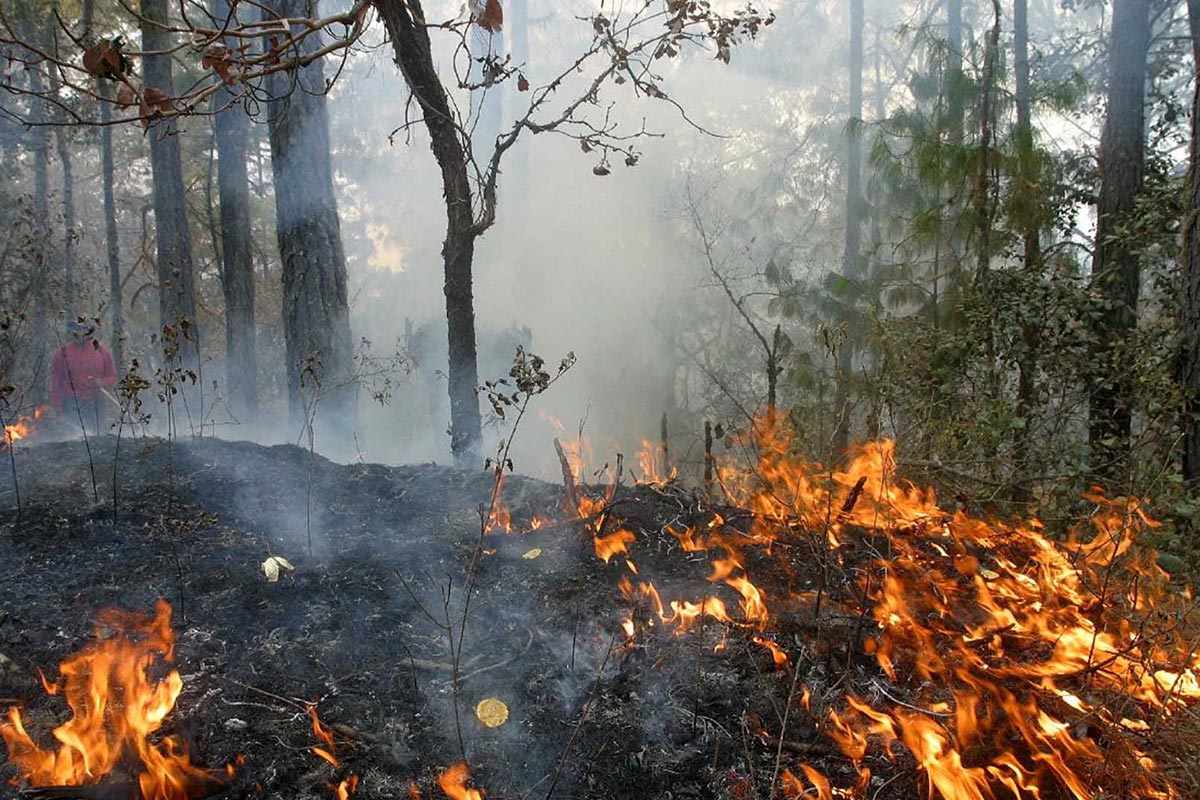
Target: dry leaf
(532, 554)
(522, 84)
(126, 96)
(273, 565)
(487, 15)
(105, 60)
(491, 712)
(219, 58)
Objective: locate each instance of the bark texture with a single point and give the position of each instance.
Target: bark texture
(1190, 261)
(316, 314)
(1115, 271)
(853, 240)
(112, 247)
(231, 134)
(411, 48)
(172, 237)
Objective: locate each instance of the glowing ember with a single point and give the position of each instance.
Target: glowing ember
(116, 710)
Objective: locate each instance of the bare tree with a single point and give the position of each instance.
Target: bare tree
(624, 45)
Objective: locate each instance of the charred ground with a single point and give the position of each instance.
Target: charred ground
(355, 628)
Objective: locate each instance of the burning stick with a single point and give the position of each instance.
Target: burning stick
(568, 478)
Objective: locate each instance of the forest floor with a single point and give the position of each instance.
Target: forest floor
(381, 557)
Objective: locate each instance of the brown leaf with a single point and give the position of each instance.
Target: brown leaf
(105, 60)
(522, 84)
(219, 58)
(488, 15)
(126, 97)
(601, 170)
(157, 98)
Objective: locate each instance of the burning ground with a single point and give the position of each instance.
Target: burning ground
(822, 635)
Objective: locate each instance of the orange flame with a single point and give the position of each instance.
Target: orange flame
(25, 426)
(454, 783)
(116, 709)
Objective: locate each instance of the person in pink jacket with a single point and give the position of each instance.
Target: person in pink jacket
(79, 372)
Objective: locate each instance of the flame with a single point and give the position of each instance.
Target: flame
(454, 783)
(25, 426)
(613, 544)
(327, 751)
(1024, 665)
(652, 461)
(116, 710)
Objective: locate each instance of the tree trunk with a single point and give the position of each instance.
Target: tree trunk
(42, 335)
(316, 312)
(410, 45)
(954, 69)
(1190, 361)
(231, 133)
(112, 243)
(173, 239)
(1029, 210)
(68, 205)
(853, 241)
(1115, 270)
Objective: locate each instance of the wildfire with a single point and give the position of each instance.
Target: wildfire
(1023, 663)
(117, 708)
(25, 426)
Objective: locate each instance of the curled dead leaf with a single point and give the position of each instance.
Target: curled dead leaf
(126, 96)
(274, 565)
(522, 83)
(601, 170)
(219, 58)
(105, 60)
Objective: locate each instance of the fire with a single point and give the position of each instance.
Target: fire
(454, 783)
(25, 426)
(652, 461)
(327, 751)
(1010, 665)
(117, 710)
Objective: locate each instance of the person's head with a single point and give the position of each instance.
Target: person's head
(81, 331)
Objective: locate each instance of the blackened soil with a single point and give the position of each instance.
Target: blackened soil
(382, 562)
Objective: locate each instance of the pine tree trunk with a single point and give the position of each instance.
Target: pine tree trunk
(112, 242)
(173, 239)
(231, 133)
(1030, 222)
(411, 47)
(1115, 270)
(954, 68)
(68, 204)
(316, 313)
(853, 241)
(38, 283)
(1190, 262)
